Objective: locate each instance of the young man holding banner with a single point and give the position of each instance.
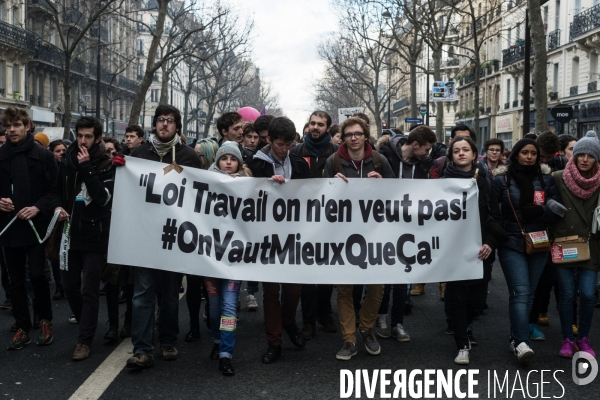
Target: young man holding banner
(356, 159)
(27, 172)
(83, 195)
(275, 161)
(164, 146)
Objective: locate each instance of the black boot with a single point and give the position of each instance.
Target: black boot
(214, 353)
(225, 366)
(126, 330)
(112, 335)
(273, 353)
(193, 335)
(295, 336)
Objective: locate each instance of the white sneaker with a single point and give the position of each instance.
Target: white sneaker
(251, 304)
(400, 334)
(463, 357)
(523, 352)
(381, 326)
(72, 319)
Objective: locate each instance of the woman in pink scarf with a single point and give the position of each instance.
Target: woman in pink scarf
(578, 185)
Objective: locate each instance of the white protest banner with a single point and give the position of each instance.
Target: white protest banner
(304, 231)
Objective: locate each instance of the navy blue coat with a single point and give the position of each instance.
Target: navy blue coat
(515, 241)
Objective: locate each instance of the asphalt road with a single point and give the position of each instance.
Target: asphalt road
(309, 373)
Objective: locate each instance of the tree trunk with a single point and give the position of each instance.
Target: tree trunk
(414, 58)
(186, 100)
(67, 93)
(140, 97)
(164, 85)
(439, 109)
(539, 67)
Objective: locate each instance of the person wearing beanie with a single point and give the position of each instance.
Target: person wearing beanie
(223, 294)
(42, 139)
(579, 187)
(526, 187)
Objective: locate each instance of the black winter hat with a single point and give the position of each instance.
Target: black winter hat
(519, 146)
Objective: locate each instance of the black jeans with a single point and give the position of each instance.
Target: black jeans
(465, 302)
(193, 299)
(252, 287)
(16, 259)
(316, 302)
(83, 295)
(398, 300)
(4, 274)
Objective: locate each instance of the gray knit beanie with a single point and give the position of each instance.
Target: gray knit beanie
(231, 148)
(589, 144)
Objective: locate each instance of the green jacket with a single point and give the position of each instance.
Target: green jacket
(577, 221)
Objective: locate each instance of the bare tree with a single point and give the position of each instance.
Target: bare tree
(538, 38)
(334, 93)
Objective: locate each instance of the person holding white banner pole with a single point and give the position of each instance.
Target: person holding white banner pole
(164, 146)
(27, 173)
(223, 294)
(529, 200)
(466, 299)
(275, 161)
(356, 159)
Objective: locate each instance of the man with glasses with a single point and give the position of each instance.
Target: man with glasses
(152, 283)
(493, 156)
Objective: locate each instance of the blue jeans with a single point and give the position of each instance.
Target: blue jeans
(148, 285)
(568, 291)
(522, 272)
(223, 296)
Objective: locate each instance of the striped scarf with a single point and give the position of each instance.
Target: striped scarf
(163, 148)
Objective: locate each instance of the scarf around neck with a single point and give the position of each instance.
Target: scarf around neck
(163, 148)
(21, 184)
(96, 153)
(578, 185)
(317, 148)
(524, 176)
(452, 171)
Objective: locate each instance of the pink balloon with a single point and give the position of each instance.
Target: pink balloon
(249, 113)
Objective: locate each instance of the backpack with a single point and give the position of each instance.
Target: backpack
(337, 162)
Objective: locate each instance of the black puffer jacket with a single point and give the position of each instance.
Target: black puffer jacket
(42, 170)
(90, 224)
(516, 242)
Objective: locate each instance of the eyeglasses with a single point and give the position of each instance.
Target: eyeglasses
(494, 150)
(162, 120)
(356, 134)
(111, 152)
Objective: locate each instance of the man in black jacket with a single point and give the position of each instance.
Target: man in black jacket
(134, 136)
(229, 126)
(277, 162)
(27, 172)
(316, 149)
(150, 283)
(83, 194)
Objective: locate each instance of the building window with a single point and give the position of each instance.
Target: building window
(2, 75)
(555, 78)
(575, 72)
(593, 67)
(557, 15)
(154, 95)
(16, 85)
(508, 90)
(53, 90)
(517, 88)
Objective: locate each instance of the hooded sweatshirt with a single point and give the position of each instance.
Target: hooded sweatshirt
(404, 169)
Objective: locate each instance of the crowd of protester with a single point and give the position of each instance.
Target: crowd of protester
(544, 183)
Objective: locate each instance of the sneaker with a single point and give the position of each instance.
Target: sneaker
(442, 291)
(19, 340)
(45, 335)
(328, 323)
(82, 351)
(463, 357)
(584, 345)
(371, 344)
(535, 333)
(7, 305)
(73, 320)
(140, 361)
(575, 330)
(251, 303)
(568, 349)
(418, 289)
(400, 334)
(449, 329)
(347, 352)
(543, 319)
(169, 353)
(471, 338)
(523, 352)
(308, 330)
(381, 326)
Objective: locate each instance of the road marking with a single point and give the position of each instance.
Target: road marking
(105, 374)
(95, 385)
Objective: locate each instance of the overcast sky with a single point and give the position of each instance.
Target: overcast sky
(285, 49)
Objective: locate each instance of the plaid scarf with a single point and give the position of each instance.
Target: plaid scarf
(163, 148)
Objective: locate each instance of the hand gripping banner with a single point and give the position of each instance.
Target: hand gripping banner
(304, 231)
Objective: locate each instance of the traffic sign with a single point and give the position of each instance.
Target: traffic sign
(413, 120)
(562, 113)
(423, 109)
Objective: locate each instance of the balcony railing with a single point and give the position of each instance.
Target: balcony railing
(42, 3)
(573, 91)
(450, 62)
(592, 86)
(553, 95)
(554, 39)
(514, 54)
(78, 66)
(506, 106)
(75, 17)
(49, 54)
(515, 103)
(17, 37)
(585, 21)
(128, 84)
